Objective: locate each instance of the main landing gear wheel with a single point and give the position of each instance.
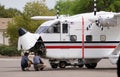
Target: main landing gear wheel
(81, 63)
(62, 64)
(91, 65)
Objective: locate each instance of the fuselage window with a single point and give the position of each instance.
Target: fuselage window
(65, 28)
(102, 37)
(89, 38)
(56, 29)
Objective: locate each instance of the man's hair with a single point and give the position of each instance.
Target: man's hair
(26, 54)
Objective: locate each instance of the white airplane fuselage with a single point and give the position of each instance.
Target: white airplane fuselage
(78, 42)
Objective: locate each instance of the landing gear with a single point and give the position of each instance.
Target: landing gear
(91, 65)
(72, 62)
(80, 63)
(62, 64)
(53, 65)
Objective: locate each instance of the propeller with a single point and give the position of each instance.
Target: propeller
(98, 23)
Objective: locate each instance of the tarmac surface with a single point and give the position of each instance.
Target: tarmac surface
(10, 67)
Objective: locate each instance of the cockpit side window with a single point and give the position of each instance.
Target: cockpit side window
(49, 30)
(55, 28)
(65, 27)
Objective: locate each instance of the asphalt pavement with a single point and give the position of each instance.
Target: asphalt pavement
(10, 67)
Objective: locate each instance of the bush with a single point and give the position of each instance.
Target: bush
(9, 51)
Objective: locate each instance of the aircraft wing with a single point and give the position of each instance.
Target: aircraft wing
(111, 21)
(115, 54)
(106, 20)
(43, 17)
(116, 15)
(117, 50)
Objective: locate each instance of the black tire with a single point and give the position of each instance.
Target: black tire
(91, 65)
(62, 64)
(81, 65)
(54, 65)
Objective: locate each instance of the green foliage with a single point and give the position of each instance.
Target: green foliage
(65, 6)
(31, 9)
(82, 6)
(36, 8)
(8, 13)
(116, 6)
(20, 21)
(8, 51)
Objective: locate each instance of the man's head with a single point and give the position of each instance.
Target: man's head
(26, 54)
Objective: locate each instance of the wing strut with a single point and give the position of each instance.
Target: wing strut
(115, 54)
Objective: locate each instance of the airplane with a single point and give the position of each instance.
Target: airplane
(78, 40)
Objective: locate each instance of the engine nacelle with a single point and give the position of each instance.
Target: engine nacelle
(108, 22)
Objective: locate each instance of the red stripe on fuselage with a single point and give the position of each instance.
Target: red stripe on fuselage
(63, 47)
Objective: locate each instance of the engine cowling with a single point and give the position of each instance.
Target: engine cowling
(31, 42)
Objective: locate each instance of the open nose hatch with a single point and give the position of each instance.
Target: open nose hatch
(30, 41)
(39, 47)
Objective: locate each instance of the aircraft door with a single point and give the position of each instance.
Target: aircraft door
(64, 32)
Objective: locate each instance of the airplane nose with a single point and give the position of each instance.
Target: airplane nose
(21, 31)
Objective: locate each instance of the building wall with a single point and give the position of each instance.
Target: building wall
(3, 27)
(4, 40)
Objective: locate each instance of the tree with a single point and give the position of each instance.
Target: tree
(65, 6)
(36, 8)
(8, 13)
(2, 11)
(30, 9)
(12, 13)
(82, 6)
(115, 6)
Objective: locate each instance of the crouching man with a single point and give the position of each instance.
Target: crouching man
(25, 62)
(38, 63)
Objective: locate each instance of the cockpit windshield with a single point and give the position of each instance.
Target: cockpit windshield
(41, 29)
(52, 26)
